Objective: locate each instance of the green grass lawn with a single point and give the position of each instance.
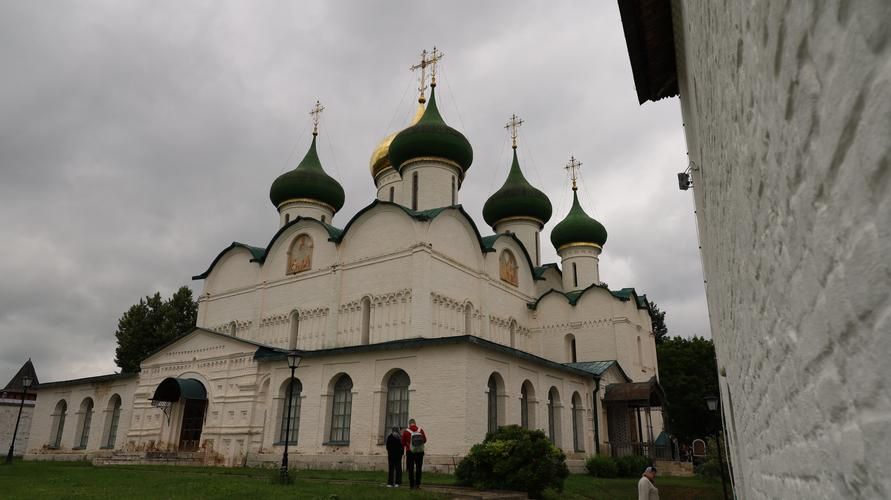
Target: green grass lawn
(27, 480)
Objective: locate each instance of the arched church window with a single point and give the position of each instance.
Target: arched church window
(58, 423)
(287, 218)
(366, 321)
(290, 424)
(468, 319)
(575, 275)
(397, 401)
(323, 219)
(295, 330)
(553, 415)
(639, 353)
(233, 328)
(453, 191)
(513, 334)
(577, 433)
(493, 403)
(507, 265)
(414, 191)
(114, 416)
(86, 419)
(525, 394)
(300, 254)
(392, 193)
(570, 349)
(341, 410)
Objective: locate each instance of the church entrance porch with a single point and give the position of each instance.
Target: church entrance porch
(193, 423)
(630, 419)
(183, 401)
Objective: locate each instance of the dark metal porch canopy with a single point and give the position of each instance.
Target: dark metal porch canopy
(173, 389)
(638, 394)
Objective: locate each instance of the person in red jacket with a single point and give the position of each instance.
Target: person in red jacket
(413, 440)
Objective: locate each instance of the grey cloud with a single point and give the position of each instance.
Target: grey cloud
(139, 139)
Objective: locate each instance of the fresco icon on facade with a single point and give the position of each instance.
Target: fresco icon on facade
(300, 256)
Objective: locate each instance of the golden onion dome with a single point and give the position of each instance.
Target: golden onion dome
(380, 158)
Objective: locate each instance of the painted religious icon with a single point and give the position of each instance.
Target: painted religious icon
(300, 256)
(508, 267)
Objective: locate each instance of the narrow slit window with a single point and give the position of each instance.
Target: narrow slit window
(414, 191)
(575, 275)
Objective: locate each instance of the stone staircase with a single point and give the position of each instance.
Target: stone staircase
(152, 458)
(672, 468)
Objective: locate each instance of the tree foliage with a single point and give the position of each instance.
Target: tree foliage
(688, 373)
(514, 458)
(657, 318)
(151, 323)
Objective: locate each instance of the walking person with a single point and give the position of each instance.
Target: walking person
(646, 490)
(394, 459)
(413, 440)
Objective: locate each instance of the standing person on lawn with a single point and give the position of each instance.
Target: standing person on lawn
(645, 488)
(413, 440)
(394, 459)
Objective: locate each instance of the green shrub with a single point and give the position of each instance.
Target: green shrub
(513, 458)
(632, 465)
(602, 466)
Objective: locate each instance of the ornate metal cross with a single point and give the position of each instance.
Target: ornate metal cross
(316, 114)
(512, 126)
(431, 61)
(573, 167)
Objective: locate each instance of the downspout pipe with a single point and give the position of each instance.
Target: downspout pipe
(596, 417)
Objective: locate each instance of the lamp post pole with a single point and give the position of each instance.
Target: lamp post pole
(26, 383)
(293, 360)
(713, 405)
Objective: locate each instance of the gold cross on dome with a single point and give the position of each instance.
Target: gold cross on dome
(573, 167)
(512, 126)
(431, 61)
(316, 114)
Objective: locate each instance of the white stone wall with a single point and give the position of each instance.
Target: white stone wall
(9, 411)
(102, 393)
(435, 178)
(787, 113)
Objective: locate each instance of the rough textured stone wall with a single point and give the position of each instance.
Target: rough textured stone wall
(787, 109)
(9, 411)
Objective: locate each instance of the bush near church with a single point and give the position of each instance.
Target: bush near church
(513, 458)
(602, 466)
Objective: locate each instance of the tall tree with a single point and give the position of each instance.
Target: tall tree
(657, 318)
(688, 373)
(151, 323)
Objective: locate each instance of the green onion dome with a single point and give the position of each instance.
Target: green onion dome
(517, 198)
(431, 137)
(577, 227)
(307, 182)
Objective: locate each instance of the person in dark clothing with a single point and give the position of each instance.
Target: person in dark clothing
(413, 439)
(394, 459)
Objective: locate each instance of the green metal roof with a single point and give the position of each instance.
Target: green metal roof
(539, 271)
(574, 296)
(431, 137)
(257, 254)
(517, 198)
(578, 227)
(308, 180)
(86, 380)
(277, 354)
(598, 368)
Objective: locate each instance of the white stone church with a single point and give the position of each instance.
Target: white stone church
(408, 311)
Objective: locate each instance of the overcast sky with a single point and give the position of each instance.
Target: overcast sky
(138, 139)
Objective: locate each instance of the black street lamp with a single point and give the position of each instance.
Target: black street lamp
(712, 403)
(26, 383)
(293, 361)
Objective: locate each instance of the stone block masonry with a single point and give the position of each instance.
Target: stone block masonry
(9, 410)
(787, 111)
